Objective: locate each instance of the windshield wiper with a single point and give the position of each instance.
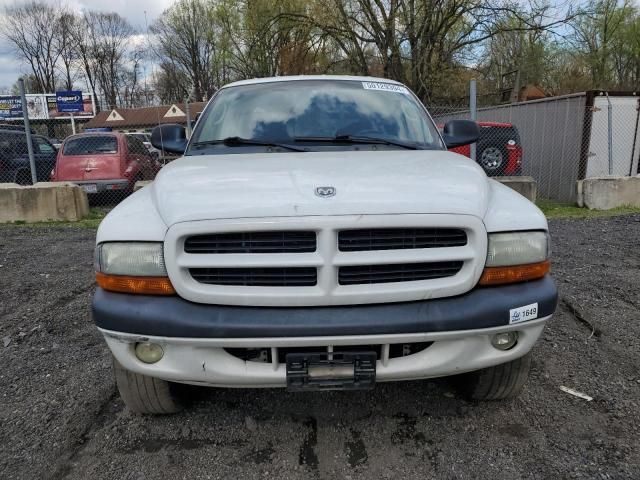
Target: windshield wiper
(359, 139)
(239, 141)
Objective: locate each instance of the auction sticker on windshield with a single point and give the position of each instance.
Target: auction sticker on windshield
(387, 87)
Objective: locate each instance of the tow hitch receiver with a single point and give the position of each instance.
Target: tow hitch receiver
(331, 371)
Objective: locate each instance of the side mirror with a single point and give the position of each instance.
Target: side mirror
(457, 133)
(170, 138)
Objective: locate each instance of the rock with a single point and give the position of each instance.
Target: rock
(6, 341)
(250, 423)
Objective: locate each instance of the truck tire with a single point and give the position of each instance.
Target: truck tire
(143, 394)
(497, 383)
(492, 159)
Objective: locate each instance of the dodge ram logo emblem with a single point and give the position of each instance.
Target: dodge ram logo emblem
(325, 192)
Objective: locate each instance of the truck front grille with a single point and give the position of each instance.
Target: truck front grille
(257, 277)
(252, 242)
(400, 238)
(408, 272)
(325, 260)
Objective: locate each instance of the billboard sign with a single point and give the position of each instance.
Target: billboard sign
(10, 107)
(36, 107)
(69, 101)
(85, 111)
(45, 106)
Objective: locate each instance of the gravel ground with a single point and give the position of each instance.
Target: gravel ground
(60, 416)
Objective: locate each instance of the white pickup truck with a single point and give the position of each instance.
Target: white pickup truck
(317, 234)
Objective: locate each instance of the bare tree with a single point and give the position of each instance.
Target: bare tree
(419, 42)
(109, 45)
(65, 25)
(82, 35)
(30, 29)
(171, 83)
(186, 38)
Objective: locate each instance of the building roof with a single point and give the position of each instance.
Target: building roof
(531, 92)
(122, 118)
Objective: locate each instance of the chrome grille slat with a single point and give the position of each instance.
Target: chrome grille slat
(252, 242)
(263, 277)
(400, 238)
(368, 274)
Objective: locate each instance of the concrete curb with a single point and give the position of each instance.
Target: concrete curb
(525, 186)
(605, 193)
(44, 201)
(141, 184)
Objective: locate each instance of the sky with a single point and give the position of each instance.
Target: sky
(132, 10)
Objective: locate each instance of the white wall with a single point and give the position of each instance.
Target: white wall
(625, 126)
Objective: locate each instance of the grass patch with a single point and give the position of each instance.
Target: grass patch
(554, 209)
(96, 214)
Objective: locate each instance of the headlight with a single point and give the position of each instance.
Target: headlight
(132, 267)
(517, 248)
(516, 257)
(140, 259)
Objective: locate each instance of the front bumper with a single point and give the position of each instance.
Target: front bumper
(103, 185)
(207, 361)
(196, 338)
(175, 317)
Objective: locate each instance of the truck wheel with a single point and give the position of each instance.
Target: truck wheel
(492, 159)
(496, 383)
(143, 394)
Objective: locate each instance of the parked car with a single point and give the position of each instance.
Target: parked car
(498, 151)
(14, 157)
(146, 139)
(15, 126)
(317, 235)
(101, 162)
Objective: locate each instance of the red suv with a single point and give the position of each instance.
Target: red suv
(498, 151)
(101, 162)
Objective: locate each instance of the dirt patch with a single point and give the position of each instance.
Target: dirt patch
(60, 417)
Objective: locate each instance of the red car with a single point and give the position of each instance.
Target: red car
(498, 151)
(101, 162)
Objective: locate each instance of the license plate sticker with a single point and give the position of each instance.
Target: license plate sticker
(522, 314)
(386, 87)
(91, 188)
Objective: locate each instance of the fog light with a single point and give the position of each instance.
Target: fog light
(149, 352)
(505, 340)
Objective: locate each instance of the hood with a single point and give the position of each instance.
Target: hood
(212, 187)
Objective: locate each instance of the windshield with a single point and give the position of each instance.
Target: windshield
(314, 114)
(85, 145)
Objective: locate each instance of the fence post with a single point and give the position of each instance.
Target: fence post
(27, 131)
(610, 132)
(188, 116)
(473, 109)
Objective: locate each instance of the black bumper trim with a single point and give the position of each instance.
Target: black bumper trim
(175, 317)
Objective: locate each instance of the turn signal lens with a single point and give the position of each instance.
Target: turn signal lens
(139, 285)
(514, 274)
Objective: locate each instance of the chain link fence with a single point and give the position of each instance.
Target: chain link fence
(557, 141)
(106, 165)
